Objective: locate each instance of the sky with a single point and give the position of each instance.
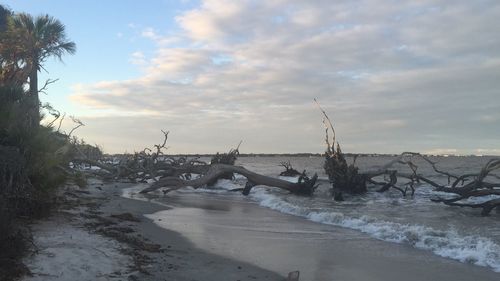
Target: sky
(392, 75)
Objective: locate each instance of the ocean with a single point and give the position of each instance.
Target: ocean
(452, 232)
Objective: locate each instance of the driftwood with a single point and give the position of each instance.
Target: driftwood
(225, 158)
(346, 178)
(464, 186)
(343, 177)
(476, 187)
(174, 173)
(305, 186)
(392, 176)
(289, 170)
(142, 166)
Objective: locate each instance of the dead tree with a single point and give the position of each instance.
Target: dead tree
(174, 173)
(289, 170)
(474, 185)
(225, 158)
(148, 164)
(391, 177)
(305, 186)
(345, 178)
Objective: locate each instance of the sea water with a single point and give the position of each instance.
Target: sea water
(458, 233)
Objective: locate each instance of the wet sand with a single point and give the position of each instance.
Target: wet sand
(180, 259)
(100, 235)
(208, 237)
(239, 229)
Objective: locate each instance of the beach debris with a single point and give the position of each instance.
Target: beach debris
(347, 178)
(465, 186)
(126, 217)
(224, 158)
(153, 166)
(476, 186)
(133, 241)
(344, 177)
(305, 186)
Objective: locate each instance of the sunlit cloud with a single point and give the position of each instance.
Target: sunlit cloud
(407, 75)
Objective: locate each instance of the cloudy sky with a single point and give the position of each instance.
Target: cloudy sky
(393, 75)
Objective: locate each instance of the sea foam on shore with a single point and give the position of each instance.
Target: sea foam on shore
(449, 243)
(472, 249)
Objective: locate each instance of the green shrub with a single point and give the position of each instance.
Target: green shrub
(43, 150)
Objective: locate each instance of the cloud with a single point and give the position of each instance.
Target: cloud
(150, 33)
(161, 40)
(394, 76)
(138, 58)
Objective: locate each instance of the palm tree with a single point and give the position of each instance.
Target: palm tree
(36, 40)
(4, 15)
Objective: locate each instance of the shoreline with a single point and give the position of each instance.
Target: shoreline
(239, 228)
(146, 252)
(203, 237)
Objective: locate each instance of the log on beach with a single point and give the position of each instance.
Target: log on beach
(305, 186)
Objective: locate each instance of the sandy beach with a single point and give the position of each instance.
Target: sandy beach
(89, 239)
(209, 237)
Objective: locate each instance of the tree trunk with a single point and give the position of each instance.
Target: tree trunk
(33, 100)
(305, 187)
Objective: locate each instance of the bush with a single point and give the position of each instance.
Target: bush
(32, 165)
(44, 153)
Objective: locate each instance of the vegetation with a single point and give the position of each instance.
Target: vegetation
(27, 43)
(34, 159)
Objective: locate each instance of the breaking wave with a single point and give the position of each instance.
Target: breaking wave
(472, 249)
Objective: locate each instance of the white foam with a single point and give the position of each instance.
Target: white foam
(450, 244)
(226, 184)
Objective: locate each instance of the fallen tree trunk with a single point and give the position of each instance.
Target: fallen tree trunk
(486, 207)
(305, 186)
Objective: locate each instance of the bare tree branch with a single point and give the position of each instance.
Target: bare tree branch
(78, 125)
(46, 84)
